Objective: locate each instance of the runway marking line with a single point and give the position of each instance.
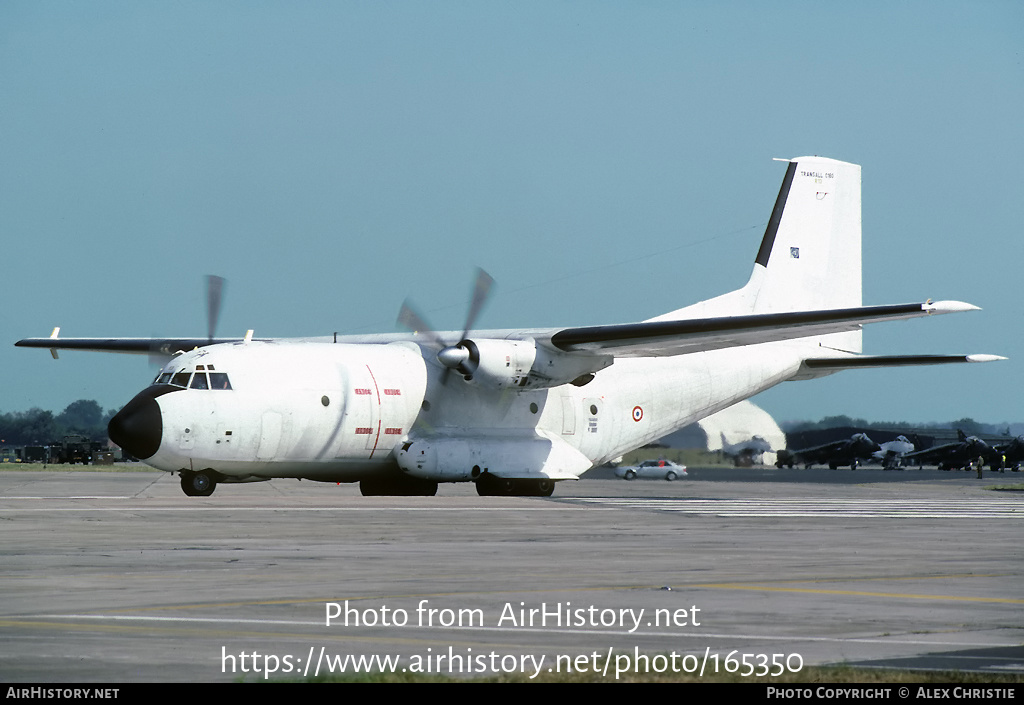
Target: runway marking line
(753, 508)
(212, 508)
(65, 497)
(610, 588)
(859, 593)
(865, 578)
(350, 636)
(198, 631)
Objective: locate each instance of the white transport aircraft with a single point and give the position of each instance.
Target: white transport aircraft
(514, 410)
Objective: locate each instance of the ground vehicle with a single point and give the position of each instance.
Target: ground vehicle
(653, 469)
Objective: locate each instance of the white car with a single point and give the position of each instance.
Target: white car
(654, 469)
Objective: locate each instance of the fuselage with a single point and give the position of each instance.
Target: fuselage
(341, 412)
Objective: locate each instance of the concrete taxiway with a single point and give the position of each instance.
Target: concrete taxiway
(118, 577)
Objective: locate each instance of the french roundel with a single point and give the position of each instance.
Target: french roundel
(638, 413)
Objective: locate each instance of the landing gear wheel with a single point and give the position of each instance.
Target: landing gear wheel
(397, 487)
(488, 485)
(198, 484)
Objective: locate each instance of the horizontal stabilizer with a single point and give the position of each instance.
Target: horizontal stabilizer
(835, 364)
(821, 366)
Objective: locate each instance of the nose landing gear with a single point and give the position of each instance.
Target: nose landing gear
(198, 484)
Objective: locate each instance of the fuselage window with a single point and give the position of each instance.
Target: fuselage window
(199, 381)
(219, 380)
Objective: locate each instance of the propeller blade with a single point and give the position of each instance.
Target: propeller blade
(214, 297)
(451, 357)
(481, 291)
(409, 319)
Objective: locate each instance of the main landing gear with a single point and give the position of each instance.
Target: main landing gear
(198, 484)
(398, 486)
(488, 485)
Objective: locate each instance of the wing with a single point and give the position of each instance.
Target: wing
(135, 346)
(644, 339)
(825, 450)
(928, 454)
(675, 337)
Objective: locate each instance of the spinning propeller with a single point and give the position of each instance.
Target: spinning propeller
(159, 354)
(452, 357)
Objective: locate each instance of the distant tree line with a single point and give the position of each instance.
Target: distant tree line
(84, 417)
(967, 425)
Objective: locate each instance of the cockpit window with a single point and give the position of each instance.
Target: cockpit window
(219, 380)
(197, 380)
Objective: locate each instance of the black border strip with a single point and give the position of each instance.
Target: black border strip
(768, 242)
(846, 363)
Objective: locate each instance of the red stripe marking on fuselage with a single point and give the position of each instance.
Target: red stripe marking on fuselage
(377, 439)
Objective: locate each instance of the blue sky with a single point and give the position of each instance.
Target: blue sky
(605, 162)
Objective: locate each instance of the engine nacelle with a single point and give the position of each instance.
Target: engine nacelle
(502, 363)
(498, 363)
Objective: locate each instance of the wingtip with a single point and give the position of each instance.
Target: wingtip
(948, 306)
(985, 358)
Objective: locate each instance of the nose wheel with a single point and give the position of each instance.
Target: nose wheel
(198, 484)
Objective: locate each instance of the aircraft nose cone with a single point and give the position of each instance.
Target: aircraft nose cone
(139, 426)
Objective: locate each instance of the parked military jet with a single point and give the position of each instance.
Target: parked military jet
(968, 453)
(746, 453)
(890, 454)
(847, 452)
(1008, 455)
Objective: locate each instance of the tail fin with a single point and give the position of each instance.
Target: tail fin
(810, 256)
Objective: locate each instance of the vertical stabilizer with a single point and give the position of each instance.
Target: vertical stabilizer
(809, 258)
(810, 253)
